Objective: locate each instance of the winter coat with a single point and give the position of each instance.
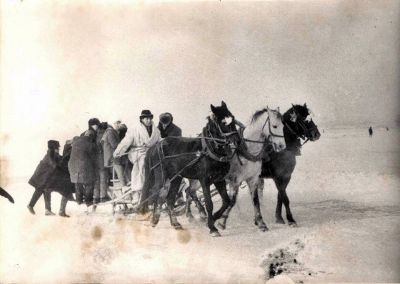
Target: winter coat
(138, 136)
(99, 150)
(170, 130)
(110, 142)
(41, 176)
(52, 174)
(82, 162)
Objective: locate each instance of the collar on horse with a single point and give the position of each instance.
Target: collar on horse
(222, 143)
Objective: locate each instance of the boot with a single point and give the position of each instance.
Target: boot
(62, 214)
(49, 213)
(31, 210)
(63, 206)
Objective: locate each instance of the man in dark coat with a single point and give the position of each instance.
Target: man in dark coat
(42, 177)
(82, 167)
(63, 178)
(167, 127)
(101, 184)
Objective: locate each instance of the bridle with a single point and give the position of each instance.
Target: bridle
(268, 139)
(300, 123)
(218, 141)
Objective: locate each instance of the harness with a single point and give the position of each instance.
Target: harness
(207, 150)
(263, 152)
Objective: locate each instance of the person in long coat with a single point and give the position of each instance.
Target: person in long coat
(43, 177)
(101, 184)
(138, 139)
(110, 142)
(167, 127)
(82, 168)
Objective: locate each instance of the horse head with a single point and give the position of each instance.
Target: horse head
(223, 122)
(305, 126)
(274, 133)
(270, 127)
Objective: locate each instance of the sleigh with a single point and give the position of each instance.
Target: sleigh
(121, 198)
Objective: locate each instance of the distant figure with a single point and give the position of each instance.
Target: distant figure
(370, 131)
(387, 128)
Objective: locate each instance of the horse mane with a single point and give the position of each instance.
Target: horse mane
(257, 114)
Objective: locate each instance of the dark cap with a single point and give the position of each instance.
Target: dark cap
(94, 121)
(53, 144)
(146, 113)
(166, 118)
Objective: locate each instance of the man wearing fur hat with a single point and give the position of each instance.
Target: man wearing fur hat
(167, 127)
(42, 177)
(139, 138)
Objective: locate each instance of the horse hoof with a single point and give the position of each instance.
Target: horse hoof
(280, 221)
(177, 226)
(263, 228)
(222, 226)
(215, 234)
(293, 224)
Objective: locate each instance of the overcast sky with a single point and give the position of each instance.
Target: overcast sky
(65, 62)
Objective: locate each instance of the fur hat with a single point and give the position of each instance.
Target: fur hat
(53, 144)
(94, 121)
(166, 118)
(103, 125)
(122, 127)
(146, 113)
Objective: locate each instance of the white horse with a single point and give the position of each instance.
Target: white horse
(265, 129)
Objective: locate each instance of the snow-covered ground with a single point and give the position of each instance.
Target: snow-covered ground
(344, 196)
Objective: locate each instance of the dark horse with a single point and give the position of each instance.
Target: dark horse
(205, 158)
(280, 165)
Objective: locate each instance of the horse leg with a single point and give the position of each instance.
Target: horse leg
(209, 206)
(188, 210)
(156, 200)
(278, 212)
(156, 213)
(225, 215)
(281, 184)
(226, 201)
(258, 220)
(171, 198)
(194, 186)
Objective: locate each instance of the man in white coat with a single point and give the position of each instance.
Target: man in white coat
(138, 139)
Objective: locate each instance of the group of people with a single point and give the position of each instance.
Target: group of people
(87, 161)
